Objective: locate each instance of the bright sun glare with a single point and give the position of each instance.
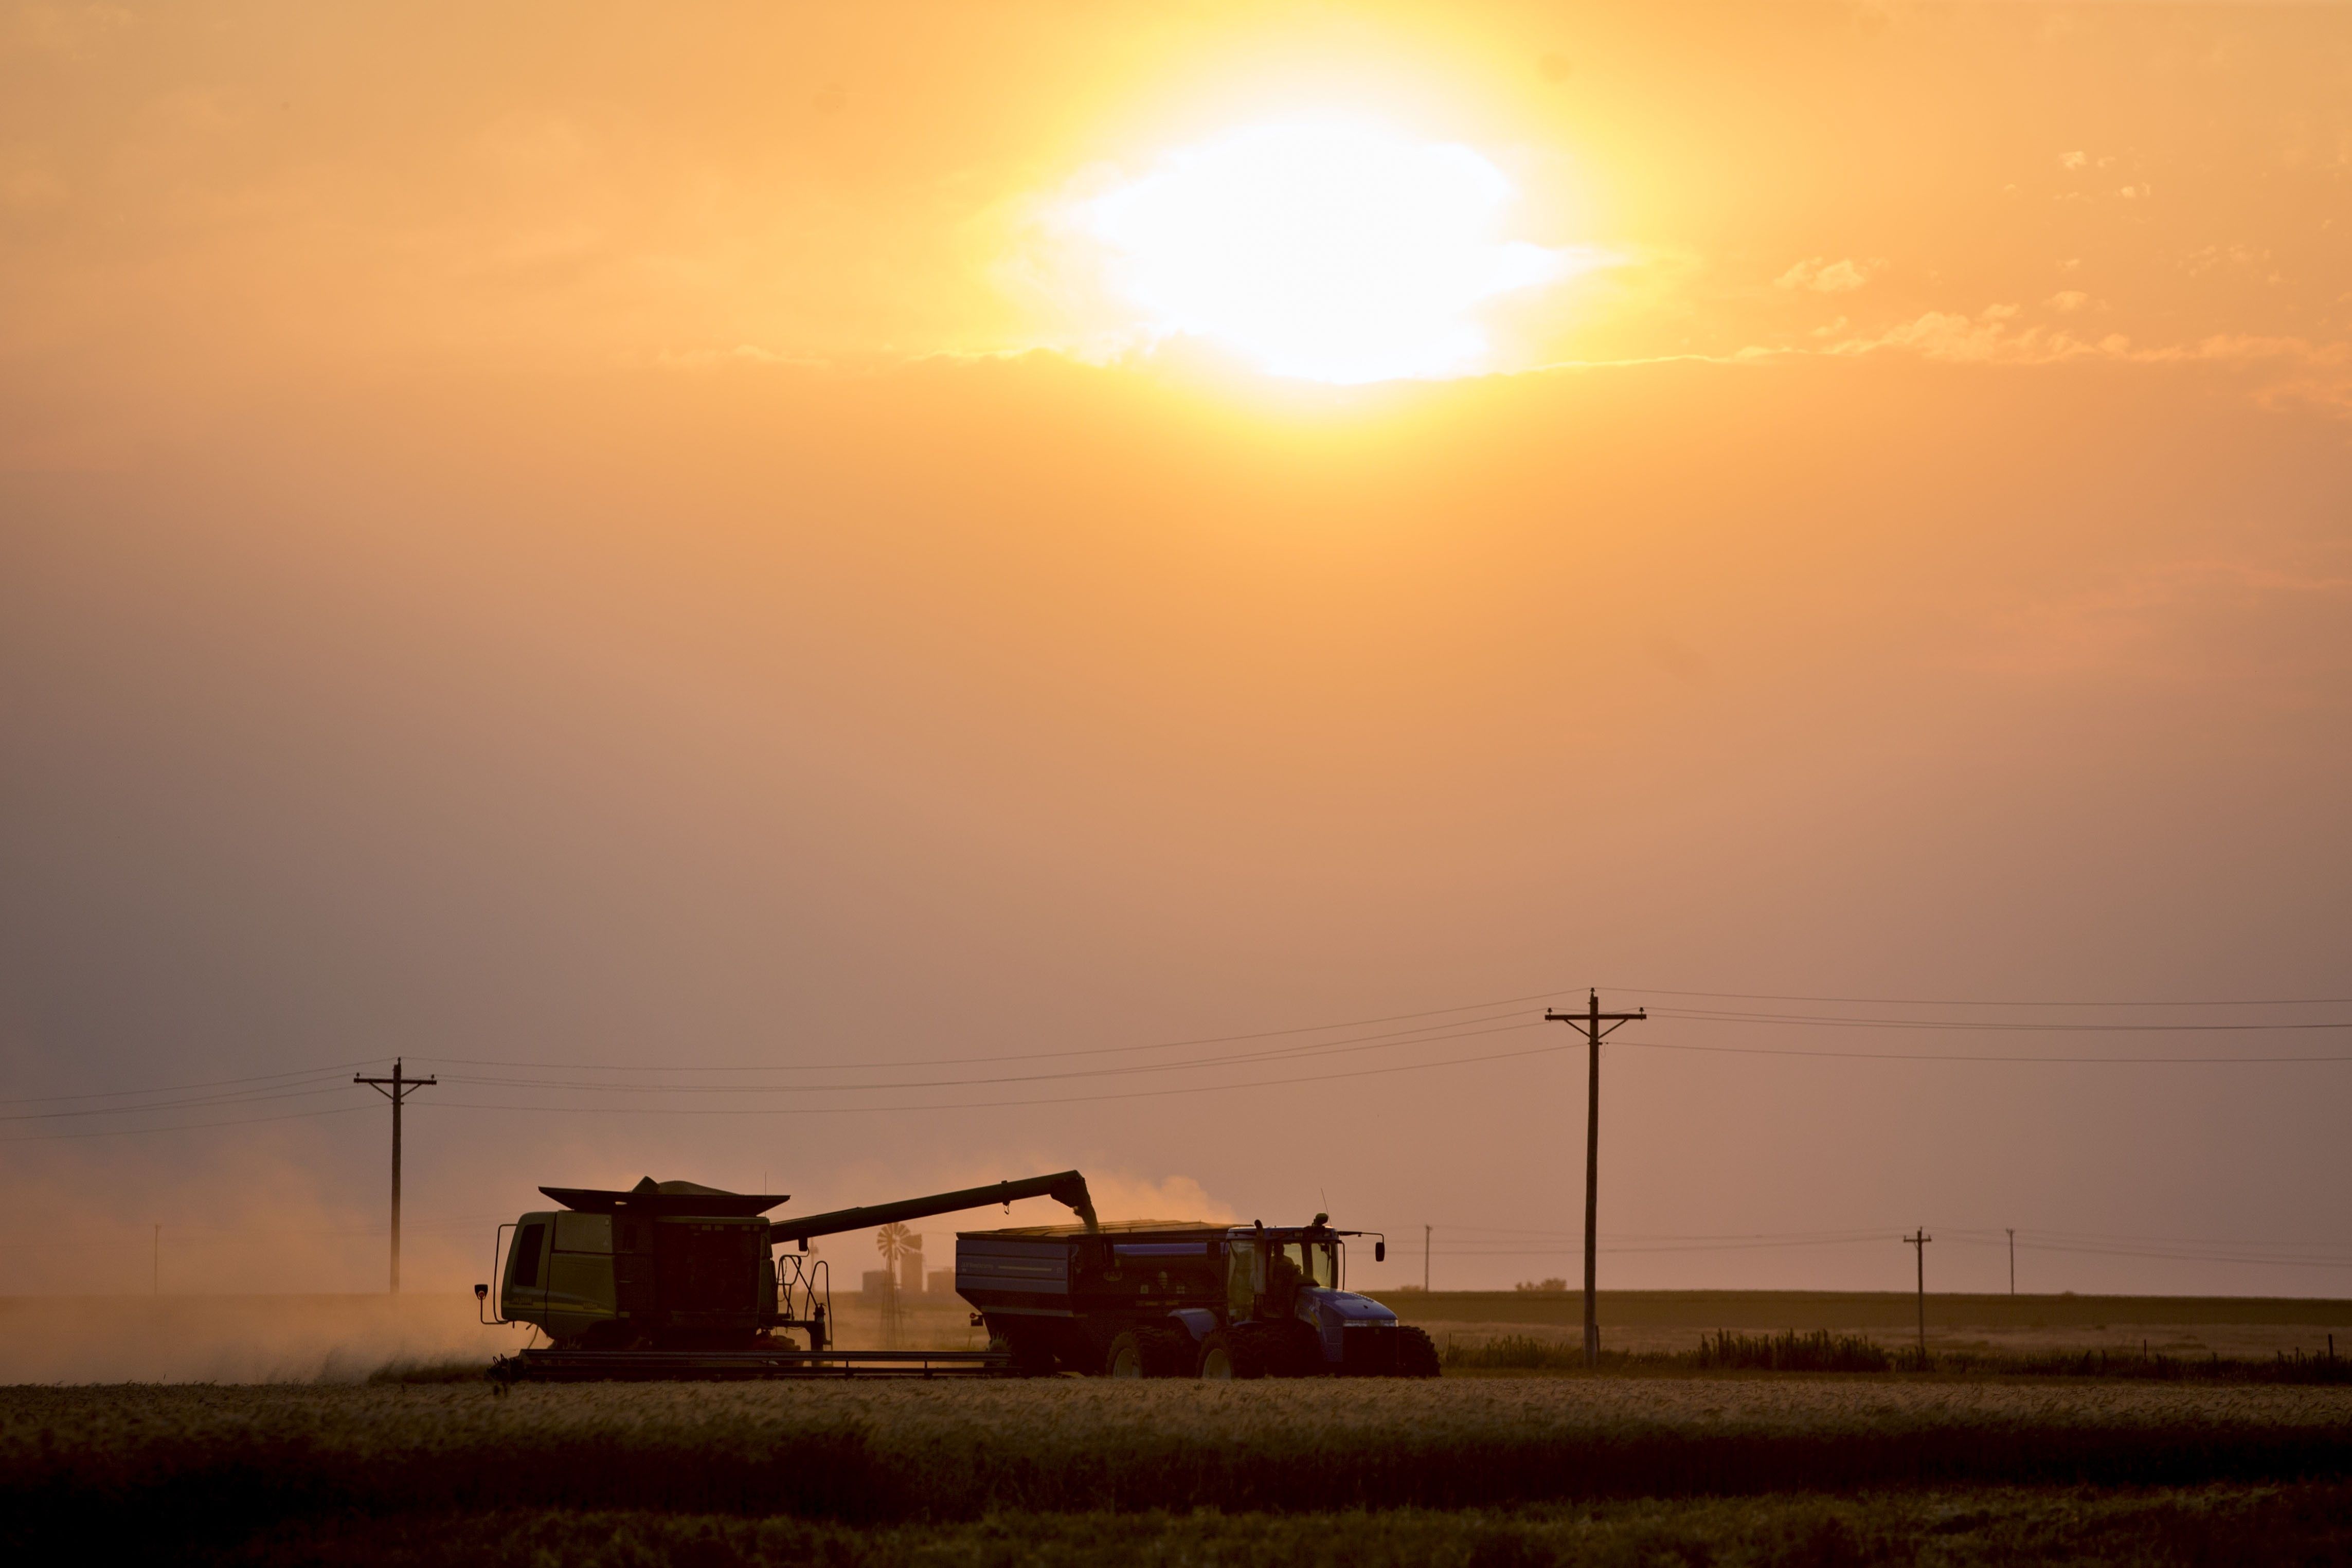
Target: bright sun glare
(1330, 251)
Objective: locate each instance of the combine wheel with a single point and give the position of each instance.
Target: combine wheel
(1126, 1356)
(1416, 1355)
(1229, 1355)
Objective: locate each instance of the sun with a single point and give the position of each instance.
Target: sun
(1329, 250)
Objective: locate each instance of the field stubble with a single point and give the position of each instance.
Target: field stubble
(1985, 1527)
(238, 1459)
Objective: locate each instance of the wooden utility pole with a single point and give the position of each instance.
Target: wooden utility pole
(1425, 1259)
(1592, 1018)
(1918, 1244)
(2012, 1260)
(156, 1263)
(396, 1089)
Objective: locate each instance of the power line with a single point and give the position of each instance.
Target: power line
(295, 1083)
(995, 1104)
(209, 1101)
(785, 1089)
(1689, 1015)
(1941, 1056)
(1015, 1056)
(183, 1127)
(1196, 1089)
(1290, 1053)
(1955, 1003)
(178, 1088)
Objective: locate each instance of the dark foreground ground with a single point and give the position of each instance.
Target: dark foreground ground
(1495, 1470)
(2307, 1524)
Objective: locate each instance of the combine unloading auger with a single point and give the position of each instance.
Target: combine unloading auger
(1068, 1189)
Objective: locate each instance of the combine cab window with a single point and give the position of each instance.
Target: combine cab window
(527, 1244)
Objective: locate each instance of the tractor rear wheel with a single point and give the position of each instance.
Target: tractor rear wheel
(1125, 1356)
(1228, 1355)
(1416, 1355)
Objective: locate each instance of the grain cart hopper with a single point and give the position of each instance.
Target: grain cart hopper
(675, 1280)
(1174, 1298)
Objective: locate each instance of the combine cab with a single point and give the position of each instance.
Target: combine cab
(666, 1265)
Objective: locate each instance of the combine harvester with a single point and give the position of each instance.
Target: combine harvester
(671, 1280)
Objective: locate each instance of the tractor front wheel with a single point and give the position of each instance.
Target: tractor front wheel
(1416, 1355)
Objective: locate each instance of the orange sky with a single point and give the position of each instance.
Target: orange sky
(596, 535)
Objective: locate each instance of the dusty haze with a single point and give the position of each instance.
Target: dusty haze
(556, 540)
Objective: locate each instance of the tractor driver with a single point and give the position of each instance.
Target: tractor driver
(1283, 1277)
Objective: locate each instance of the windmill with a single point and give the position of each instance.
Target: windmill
(894, 1241)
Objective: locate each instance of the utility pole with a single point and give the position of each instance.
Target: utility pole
(1592, 1018)
(157, 1262)
(1919, 1243)
(396, 1089)
(1425, 1259)
(2012, 1260)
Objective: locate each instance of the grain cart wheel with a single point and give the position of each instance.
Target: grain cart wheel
(1126, 1357)
(1031, 1356)
(1227, 1355)
(1415, 1356)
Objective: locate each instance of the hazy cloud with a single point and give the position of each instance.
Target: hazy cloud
(1839, 276)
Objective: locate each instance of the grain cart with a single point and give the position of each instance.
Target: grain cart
(675, 1280)
(1175, 1299)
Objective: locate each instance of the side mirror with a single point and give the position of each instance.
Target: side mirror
(1380, 1251)
(481, 1293)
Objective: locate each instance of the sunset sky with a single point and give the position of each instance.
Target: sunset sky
(946, 554)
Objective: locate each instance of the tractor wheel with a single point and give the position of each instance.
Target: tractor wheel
(1416, 1356)
(1228, 1356)
(1167, 1351)
(1126, 1356)
(1291, 1350)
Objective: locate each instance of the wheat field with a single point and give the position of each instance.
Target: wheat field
(876, 1451)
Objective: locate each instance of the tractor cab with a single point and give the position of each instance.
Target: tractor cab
(1297, 1276)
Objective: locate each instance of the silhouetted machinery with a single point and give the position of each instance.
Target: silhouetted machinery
(1176, 1299)
(671, 1280)
(675, 1280)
